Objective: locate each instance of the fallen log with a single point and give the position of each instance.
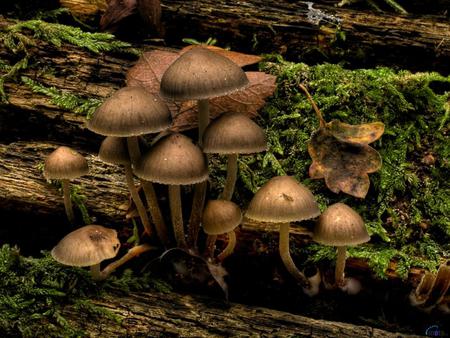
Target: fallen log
(173, 315)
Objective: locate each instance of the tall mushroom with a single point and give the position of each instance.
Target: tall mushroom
(221, 217)
(283, 200)
(65, 164)
(340, 226)
(130, 112)
(232, 134)
(114, 150)
(87, 246)
(174, 160)
(200, 74)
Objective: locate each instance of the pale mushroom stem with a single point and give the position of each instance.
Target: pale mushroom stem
(229, 248)
(137, 199)
(340, 265)
(133, 252)
(67, 200)
(286, 256)
(95, 272)
(177, 215)
(230, 182)
(198, 204)
(203, 118)
(155, 212)
(210, 246)
(133, 149)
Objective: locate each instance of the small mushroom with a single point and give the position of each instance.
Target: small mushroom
(233, 134)
(174, 160)
(87, 246)
(340, 226)
(130, 112)
(221, 217)
(65, 164)
(283, 200)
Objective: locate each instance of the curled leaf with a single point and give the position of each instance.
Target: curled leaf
(345, 166)
(359, 134)
(116, 11)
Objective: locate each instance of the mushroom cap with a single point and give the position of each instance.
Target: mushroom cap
(114, 150)
(87, 246)
(282, 199)
(340, 225)
(65, 163)
(201, 74)
(234, 133)
(220, 217)
(130, 111)
(173, 160)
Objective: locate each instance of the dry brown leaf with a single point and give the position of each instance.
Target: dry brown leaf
(345, 166)
(359, 134)
(116, 11)
(240, 59)
(150, 12)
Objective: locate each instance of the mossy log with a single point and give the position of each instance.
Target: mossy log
(311, 34)
(173, 315)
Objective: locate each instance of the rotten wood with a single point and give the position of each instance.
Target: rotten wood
(174, 315)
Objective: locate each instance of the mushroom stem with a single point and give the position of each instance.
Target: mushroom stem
(203, 118)
(177, 215)
(198, 204)
(155, 212)
(137, 199)
(229, 248)
(133, 149)
(286, 256)
(67, 200)
(133, 252)
(95, 272)
(340, 265)
(230, 182)
(210, 246)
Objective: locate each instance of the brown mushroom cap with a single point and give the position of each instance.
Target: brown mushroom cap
(220, 217)
(65, 163)
(173, 160)
(234, 133)
(340, 225)
(282, 199)
(87, 246)
(201, 74)
(130, 111)
(114, 150)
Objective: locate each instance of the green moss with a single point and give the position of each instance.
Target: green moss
(406, 193)
(34, 292)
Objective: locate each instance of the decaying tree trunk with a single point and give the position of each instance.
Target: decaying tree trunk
(173, 315)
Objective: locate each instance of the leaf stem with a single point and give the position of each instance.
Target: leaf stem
(314, 105)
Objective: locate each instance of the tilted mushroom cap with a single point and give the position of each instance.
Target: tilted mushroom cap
(114, 150)
(201, 74)
(173, 160)
(340, 225)
(234, 133)
(282, 199)
(87, 246)
(220, 217)
(130, 111)
(65, 163)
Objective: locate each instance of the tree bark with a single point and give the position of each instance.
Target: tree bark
(173, 315)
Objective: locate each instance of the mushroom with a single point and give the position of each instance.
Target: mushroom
(87, 246)
(200, 74)
(283, 200)
(340, 226)
(65, 164)
(174, 160)
(232, 134)
(130, 112)
(114, 150)
(221, 217)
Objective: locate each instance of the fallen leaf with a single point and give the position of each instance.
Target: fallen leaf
(150, 12)
(150, 68)
(240, 59)
(359, 134)
(345, 166)
(116, 11)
